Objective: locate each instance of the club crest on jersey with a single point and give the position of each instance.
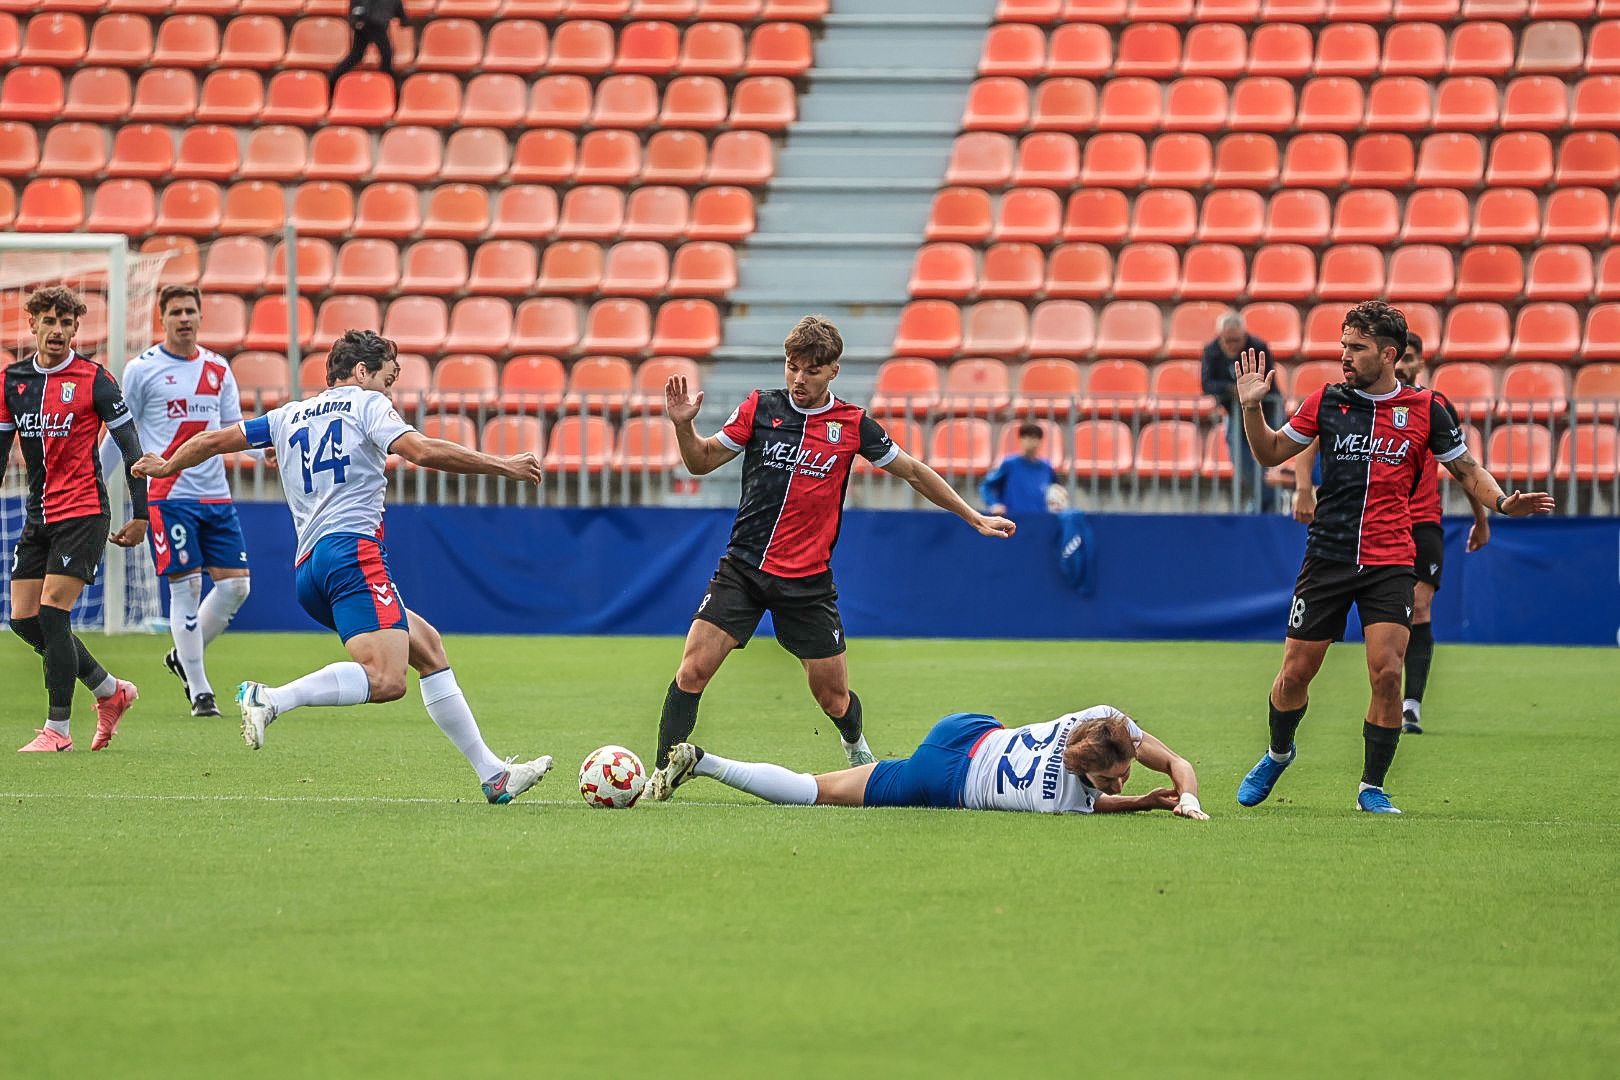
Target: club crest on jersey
(211, 377)
(1400, 412)
(835, 431)
(68, 391)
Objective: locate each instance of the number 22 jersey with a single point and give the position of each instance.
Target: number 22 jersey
(1022, 768)
(331, 451)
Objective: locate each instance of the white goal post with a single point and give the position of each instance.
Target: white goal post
(120, 287)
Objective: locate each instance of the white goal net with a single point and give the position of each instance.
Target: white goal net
(120, 288)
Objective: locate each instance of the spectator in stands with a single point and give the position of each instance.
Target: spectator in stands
(1232, 339)
(370, 19)
(1019, 485)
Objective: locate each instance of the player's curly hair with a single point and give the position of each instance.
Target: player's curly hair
(1379, 321)
(814, 341)
(358, 348)
(1414, 342)
(178, 292)
(57, 298)
(1097, 745)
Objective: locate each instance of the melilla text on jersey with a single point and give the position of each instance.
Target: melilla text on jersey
(32, 425)
(1358, 447)
(785, 455)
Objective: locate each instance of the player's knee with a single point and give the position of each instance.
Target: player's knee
(834, 700)
(236, 589)
(1385, 675)
(1293, 681)
(386, 685)
(693, 676)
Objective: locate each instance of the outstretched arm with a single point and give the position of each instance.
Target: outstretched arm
(700, 456)
(447, 456)
(1160, 758)
(1158, 799)
(1270, 446)
(932, 486)
(1482, 487)
(1305, 485)
(194, 451)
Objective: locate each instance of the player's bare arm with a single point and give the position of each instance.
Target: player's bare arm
(128, 441)
(1305, 485)
(700, 455)
(194, 451)
(1160, 758)
(1482, 487)
(1479, 533)
(1158, 799)
(932, 486)
(445, 456)
(1270, 446)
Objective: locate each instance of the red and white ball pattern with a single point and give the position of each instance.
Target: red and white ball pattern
(612, 778)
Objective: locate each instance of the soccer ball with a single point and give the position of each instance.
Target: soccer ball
(612, 778)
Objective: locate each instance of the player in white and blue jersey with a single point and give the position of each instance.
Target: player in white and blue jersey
(1076, 764)
(333, 451)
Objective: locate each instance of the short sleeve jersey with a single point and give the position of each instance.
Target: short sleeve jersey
(1372, 450)
(1426, 506)
(332, 452)
(1022, 768)
(796, 466)
(173, 398)
(57, 414)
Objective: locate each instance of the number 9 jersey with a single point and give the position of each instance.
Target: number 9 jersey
(332, 451)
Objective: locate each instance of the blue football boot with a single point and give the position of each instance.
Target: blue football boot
(1262, 778)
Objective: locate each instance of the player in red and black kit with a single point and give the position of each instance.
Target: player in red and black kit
(1428, 537)
(1373, 434)
(55, 402)
(799, 445)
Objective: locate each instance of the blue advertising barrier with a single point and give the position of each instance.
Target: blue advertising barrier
(639, 570)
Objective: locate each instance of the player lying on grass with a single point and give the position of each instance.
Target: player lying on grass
(1076, 764)
(333, 450)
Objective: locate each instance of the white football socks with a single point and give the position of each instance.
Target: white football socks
(107, 688)
(185, 594)
(448, 707)
(224, 600)
(343, 683)
(769, 782)
(1413, 706)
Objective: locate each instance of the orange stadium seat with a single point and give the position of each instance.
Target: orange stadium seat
(997, 103)
(1176, 392)
(744, 158)
(1436, 216)
(231, 97)
(1547, 331)
(1282, 272)
(647, 395)
(1062, 328)
(50, 205)
(313, 259)
(1047, 387)
(339, 153)
(322, 208)
(608, 157)
(165, 94)
(995, 328)
(253, 206)
(1414, 48)
(711, 48)
(1466, 103)
(622, 327)
(1607, 286)
(1130, 328)
(544, 155)
(1032, 11)
(961, 446)
(118, 41)
(224, 324)
(763, 102)
(1246, 161)
(1550, 47)
(647, 444)
(1332, 103)
(417, 323)
(55, 38)
(1102, 449)
(1097, 216)
(1520, 454)
(648, 48)
(1489, 272)
(207, 152)
(1179, 160)
(1276, 324)
(1281, 50)
(635, 268)
(479, 324)
(1319, 160)
(96, 94)
(1535, 102)
(1347, 49)
(124, 206)
(1211, 271)
(341, 313)
(508, 435)
(70, 149)
(1421, 272)
(931, 328)
(1520, 159)
(1034, 215)
(1165, 215)
(657, 212)
(1130, 104)
(598, 384)
(1168, 449)
(694, 101)
(1597, 391)
(1312, 376)
(1064, 104)
(1560, 272)
(980, 159)
(433, 99)
(315, 42)
(519, 46)
(1149, 49)
(291, 97)
(253, 41)
(624, 101)
(703, 268)
(436, 267)
(454, 45)
(190, 208)
(533, 383)
(268, 325)
(1480, 48)
(721, 213)
(1399, 103)
(1115, 388)
(1602, 338)
(1578, 215)
(184, 265)
(1476, 331)
(1588, 157)
(1231, 216)
(1299, 216)
(906, 386)
(1506, 216)
(31, 93)
(1114, 160)
(1588, 453)
(1596, 104)
(1196, 103)
(799, 10)
(591, 212)
(1469, 385)
(944, 270)
(778, 49)
(1324, 326)
(558, 101)
(582, 47)
(186, 41)
(1016, 49)
(458, 211)
(1350, 272)
(1192, 324)
(1217, 49)
(1080, 50)
(476, 155)
(1533, 390)
(275, 152)
(1011, 270)
(1047, 159)
(494, 99)
(504, 268)
(686, 328)
(388, 209)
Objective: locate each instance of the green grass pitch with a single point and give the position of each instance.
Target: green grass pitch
(344, 904)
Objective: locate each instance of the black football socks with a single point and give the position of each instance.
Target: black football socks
(1419, 655)
(61, 660)
(1379, 747)
(1284, 722)
(849, 725)
(678, 720)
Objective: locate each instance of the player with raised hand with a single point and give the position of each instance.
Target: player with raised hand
(333, 450)
(175, 390)
(1076, 764)
(56, 402)
(1372, 432)
(799, 444)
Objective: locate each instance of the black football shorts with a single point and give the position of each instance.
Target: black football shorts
(1325, 590)
(72, 547)
(805, 610)
(1430, 539)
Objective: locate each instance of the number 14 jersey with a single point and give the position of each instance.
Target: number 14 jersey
(332, 453)
(1022, 768)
